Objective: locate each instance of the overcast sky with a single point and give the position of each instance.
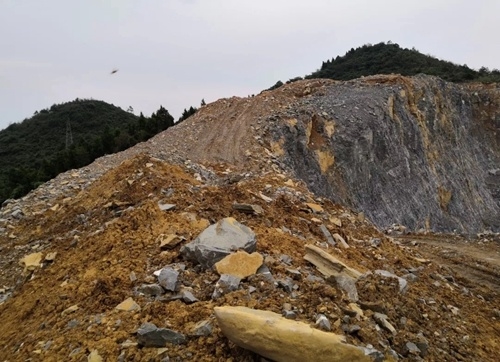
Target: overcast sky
(176, 52)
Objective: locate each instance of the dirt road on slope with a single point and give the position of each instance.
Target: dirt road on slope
(477, 263)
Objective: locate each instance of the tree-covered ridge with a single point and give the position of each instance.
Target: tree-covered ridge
(66, 136)
(387, 58)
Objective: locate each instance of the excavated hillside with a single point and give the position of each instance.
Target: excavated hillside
(305, 168)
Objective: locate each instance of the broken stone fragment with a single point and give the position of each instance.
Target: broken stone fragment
(169, 241)
(31, 261)
(381, 319)
(336, 221)
(166, 207)
(347, 284)
(315, 208)
(128, 305)
(168, 279)
(50, 257)
(327, 264)
(403, 284)
(411, 349)
(218, 241)
(188, 297)
(248, 208)
(323, 323)
(203, 328)
(152, 290)
(274, 337)
(240, 264)
(226, 283)
(327, 234)
(148, 335)
(69, 310)
(94, 356)
(339, 239)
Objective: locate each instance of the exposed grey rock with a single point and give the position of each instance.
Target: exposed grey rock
(188, 297)
(203, 328)
(166, 207)
(348, 285)
(410, 349)
(373, 353)
(286, 284)
(248, 208)
(289, 314)
(265, 272)
(323, 323)
(403, 284)
(381, 319)
(328, 235)
(73, 323)
(226, 283)
(286, 259)
(148, 335)
(152, 290)
(168, 279)
(410, 277)
(218, 241)
(294, 273)
(311, 278)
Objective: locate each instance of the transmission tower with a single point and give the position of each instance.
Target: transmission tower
(69, 135)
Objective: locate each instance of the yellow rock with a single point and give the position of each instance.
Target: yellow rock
(280, 339)
(31, 261)
(94, 356)
(318, 209)
(169, 241)
(69, 310)
(290, 183)
(51, 256)
(316, 220)
(240, 264)
(336, 221)
(128, 305)
(327, 264)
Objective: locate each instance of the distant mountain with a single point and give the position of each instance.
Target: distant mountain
(67, 136)
(387, 58)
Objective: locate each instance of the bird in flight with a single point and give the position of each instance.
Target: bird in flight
(114, 71)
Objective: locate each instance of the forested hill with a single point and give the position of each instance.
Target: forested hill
(390, 58)
(67, 136)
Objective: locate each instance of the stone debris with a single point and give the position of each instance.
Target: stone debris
(381, 319)
(248, 208)
(315, 208)
(94, 356)
(411, 349)
(339, 239)
(151, 290)
(218, 241)
(31, 261)
(403, 284)
(328, 235)
(168, 279)
(149, 335)
(226, 284)
(169, 241)
(347, 284)
(202, 329)
(166, 207)
(50, 257)
(240, 264)
(188, 297)
(323, 323)
(327, 264)
(69, 310)
(274, 337)
(128, 305)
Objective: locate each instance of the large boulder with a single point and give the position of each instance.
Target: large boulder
(218, 241)
(280, 339)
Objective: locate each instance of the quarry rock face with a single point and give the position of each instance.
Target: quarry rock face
(418, 151)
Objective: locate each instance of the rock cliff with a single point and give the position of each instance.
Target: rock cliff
(417, 151)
